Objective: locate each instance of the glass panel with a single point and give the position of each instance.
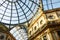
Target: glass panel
(51, 4)
(19, 34)
(14, 22)
(5, 21)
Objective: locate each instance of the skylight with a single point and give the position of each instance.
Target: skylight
(17, 11)
(51, 4)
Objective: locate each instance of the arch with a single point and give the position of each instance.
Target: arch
(19, 32)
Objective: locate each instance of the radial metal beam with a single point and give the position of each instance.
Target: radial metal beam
(27, 6)
(22, 10)
(11, 13)
(4, 11)
(34, 3)
(2, 3)
(17, 13)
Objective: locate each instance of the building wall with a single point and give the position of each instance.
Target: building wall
(41, 29)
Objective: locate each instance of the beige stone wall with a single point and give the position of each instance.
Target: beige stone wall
(50, 18)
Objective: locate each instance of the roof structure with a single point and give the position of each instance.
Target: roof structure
(17, 11)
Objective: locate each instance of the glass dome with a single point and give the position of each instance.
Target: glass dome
(17, 11)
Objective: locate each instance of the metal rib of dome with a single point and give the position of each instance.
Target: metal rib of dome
(17, 11)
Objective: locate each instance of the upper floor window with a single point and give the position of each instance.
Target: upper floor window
(35, 27)
(51, 16)
(41, 21)
(58, 32)
(44, 37)
(30, 32)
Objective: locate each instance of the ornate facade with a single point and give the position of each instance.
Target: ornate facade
(46, 27)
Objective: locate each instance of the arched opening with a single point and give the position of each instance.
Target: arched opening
(19, 32)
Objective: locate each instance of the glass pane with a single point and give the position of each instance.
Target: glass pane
(51, 4)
